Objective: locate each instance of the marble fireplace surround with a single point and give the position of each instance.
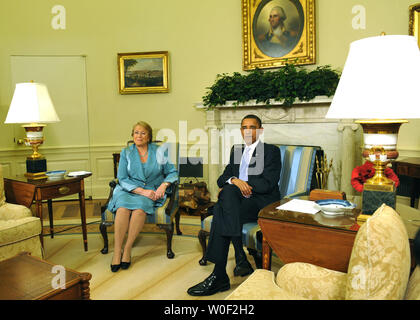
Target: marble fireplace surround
(303, 123)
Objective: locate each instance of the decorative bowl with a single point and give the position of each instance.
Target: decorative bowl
(334, 207)
(56, 174)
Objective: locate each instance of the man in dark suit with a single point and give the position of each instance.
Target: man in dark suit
(249, 182)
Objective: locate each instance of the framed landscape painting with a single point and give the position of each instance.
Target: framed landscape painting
(276, 32)
(143, 72)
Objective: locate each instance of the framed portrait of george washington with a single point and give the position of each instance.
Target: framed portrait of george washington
(143, 72)
(275, 32)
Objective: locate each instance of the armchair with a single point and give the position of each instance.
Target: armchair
(164, 216)
(379, 268)
(296, 180)
(19, 230)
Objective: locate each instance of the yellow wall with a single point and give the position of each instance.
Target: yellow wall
(203, 38)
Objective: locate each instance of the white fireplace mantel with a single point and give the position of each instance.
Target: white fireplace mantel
(303, 123)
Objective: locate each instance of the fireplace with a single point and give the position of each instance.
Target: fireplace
(303, 123)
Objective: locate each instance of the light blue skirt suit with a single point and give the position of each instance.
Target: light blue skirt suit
(132, 173)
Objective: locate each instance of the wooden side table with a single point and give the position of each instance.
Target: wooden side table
(409, 167)
(22, 191)
(24, 277)
(299, 237)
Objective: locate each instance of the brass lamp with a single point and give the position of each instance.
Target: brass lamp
(379, 88)
(31, 105)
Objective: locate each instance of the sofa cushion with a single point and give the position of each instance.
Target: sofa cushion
(312, 282)
(260, 285)
(12, 231)
(10, 211)
(380, 261)
(413, 287)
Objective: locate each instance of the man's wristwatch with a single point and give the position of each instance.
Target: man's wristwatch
(167, 184)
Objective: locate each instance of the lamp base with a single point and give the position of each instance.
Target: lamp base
(36, 168)
(373, 196)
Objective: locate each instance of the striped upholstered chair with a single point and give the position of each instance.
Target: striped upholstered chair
(164, 216)
(297, 171)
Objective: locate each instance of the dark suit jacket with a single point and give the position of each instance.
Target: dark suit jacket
(263, 172)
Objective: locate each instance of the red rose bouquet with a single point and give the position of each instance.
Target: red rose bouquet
(366, 171)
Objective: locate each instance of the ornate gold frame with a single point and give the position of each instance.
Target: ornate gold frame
(302, 50)
(144, 75)
(414, 21)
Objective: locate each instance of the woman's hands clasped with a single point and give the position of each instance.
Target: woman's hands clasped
(152, 194)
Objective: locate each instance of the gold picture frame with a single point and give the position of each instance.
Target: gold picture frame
(143, 72)
(414, 21)
(288, 36)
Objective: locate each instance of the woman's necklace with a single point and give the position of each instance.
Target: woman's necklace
(145, 154)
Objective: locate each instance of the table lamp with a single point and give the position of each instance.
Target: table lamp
(379, 89)
(31, 105)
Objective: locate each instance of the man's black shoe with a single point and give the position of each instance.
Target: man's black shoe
(211, 285)
(243, 269)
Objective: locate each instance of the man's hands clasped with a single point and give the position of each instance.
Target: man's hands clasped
(245, 188)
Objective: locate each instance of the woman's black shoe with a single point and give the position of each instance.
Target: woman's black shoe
(115, 267)
(125, 265)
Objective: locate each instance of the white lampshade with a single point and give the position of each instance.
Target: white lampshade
(31, 103)
(380, 80)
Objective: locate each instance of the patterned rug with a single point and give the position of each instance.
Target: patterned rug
(66, 219)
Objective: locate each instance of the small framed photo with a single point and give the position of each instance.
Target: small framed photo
(143, 72)
(276, 32)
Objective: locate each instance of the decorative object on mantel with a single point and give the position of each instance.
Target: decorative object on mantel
(278, 30)
(287, 83)
(379, 88)
(322, 171)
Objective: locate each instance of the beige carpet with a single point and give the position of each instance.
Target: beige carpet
(151, 276)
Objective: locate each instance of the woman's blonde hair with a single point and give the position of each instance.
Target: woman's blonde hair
(146, 126)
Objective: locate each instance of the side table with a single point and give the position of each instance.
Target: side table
(409, 167)
(300, 237)
(22, 191)
(24, 277)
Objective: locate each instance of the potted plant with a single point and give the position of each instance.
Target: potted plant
(285, 84)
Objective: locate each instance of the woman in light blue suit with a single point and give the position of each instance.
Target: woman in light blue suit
(144, 173)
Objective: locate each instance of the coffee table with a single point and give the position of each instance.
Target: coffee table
(22, 190)
(24, 277)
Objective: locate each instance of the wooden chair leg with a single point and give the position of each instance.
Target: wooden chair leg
(169, 229)
(177, 218)
(202, 237)
(102, 228)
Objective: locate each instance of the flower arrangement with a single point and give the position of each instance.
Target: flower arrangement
(366, 171)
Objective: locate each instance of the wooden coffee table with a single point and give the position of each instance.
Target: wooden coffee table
(24, 277)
